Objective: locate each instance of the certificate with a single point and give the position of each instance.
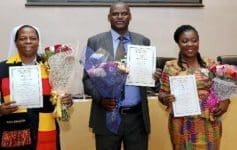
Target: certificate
(141, 63)
(184, 89)
(26, 86)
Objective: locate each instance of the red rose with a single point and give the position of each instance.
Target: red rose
(57, 48)
(47, 48)
(61, 48)
(213, 68)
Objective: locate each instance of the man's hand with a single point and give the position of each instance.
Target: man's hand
(157, 74)
(108, 104)
(8, 108)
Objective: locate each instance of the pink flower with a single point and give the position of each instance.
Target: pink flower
(52, 50)
(58, 48)
(212, 68)
(224, 84)
(225, 72)
(220, 71)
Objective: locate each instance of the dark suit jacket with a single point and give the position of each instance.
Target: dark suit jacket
(97, 116)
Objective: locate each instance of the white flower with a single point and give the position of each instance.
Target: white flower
(100, 72)
(96, 72)
(205, 71)
(52, 49)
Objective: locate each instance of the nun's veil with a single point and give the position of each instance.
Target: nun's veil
(12, 47)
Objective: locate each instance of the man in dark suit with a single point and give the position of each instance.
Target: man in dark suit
(135, 124)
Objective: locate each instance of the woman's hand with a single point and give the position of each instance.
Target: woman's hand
(8, 108)
(166, 99)
(66, 100)
(221, 108)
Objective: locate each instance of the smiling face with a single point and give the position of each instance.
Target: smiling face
(119, 17)
(188, 43)
(27, 41)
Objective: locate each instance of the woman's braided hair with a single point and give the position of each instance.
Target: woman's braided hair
(179, 31)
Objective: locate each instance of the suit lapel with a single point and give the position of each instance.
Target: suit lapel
(108, 43)
(134, 39)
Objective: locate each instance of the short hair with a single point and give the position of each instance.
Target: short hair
(119, 3)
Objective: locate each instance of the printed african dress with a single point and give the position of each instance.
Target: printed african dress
(192, 132)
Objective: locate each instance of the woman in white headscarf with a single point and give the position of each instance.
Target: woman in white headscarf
(27, 129)
(13, 48)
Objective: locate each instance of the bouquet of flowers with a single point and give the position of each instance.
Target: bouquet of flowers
(109, 78)
(62, 64)
(224, 84)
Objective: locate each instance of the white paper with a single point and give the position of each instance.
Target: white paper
(141, 62)
(184, 89)
(26, 86)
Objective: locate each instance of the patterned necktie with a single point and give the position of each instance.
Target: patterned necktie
(120, 52)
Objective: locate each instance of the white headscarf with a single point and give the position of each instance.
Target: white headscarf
(12, 47)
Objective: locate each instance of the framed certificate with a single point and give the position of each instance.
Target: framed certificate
(26, 86)
(141, 62)
(184, 89)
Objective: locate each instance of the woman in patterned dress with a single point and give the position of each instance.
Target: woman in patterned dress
(192, 132)
(21, 128)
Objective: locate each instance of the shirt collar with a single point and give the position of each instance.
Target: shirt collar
(32, 63)
(115, 35)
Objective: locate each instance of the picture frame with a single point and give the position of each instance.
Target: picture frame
(133, 3)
